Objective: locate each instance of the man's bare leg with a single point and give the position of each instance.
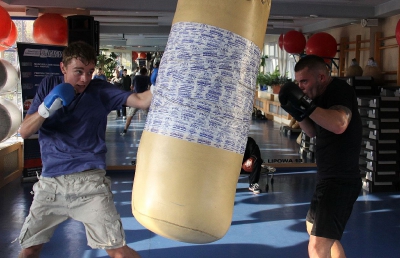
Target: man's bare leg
(320, 247)
(123, 252)
(337, 250)
(324, 247)
(31, 252)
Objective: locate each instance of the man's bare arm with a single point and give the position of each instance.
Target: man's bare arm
(139, 100)
(335, 119)
(31, 125)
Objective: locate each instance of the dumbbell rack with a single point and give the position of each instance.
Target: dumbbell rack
(307, 147)
(379, 158)
(286, 130)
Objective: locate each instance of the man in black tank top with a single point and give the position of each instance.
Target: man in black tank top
(251, 164)
(327, 108)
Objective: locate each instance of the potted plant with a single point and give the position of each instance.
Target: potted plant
(283, 79)
(262, 81)
(273, 80)
(107, 63)
(262, 62)
(277, 80)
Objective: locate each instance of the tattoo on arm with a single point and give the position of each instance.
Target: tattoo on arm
(343, 109)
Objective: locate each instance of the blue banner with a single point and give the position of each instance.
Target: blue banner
(36, 61)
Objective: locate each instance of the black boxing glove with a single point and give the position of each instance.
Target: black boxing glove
(295, 102)
(293, 111)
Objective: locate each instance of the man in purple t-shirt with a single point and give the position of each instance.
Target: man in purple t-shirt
(70, 113)
(100, 75)
(141, 83)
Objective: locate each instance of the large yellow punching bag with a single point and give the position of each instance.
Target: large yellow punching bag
(191, 150)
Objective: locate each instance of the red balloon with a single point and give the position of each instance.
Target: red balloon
(142, 55)
(50, 28)
(294, 42)
(398, 32)
(5, 21)
(6, 44)
(134, 55)
(280, 41)
(321, 44)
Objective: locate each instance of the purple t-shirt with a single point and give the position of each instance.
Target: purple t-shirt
(73, 139)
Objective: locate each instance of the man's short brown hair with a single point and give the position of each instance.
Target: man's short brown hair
(79, 50)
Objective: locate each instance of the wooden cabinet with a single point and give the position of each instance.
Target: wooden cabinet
(271, 108)
(10, 162)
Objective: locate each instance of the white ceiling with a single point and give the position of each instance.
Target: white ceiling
(145, 25)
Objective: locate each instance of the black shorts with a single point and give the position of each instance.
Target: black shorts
(331, 206)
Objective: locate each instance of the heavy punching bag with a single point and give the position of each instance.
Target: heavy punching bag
(192, 147)
(9, 77)
(10, 117)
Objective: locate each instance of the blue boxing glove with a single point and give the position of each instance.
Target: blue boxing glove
(295, 102)
(59, 96)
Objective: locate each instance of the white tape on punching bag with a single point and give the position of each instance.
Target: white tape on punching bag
(191, 150)
(8, 77)
(10, 117)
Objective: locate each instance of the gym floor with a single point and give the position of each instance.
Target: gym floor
(270, 224)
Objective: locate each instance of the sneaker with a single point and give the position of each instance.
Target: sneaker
(255, 188)
(123, 133)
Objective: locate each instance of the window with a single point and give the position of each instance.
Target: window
(273, 59)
